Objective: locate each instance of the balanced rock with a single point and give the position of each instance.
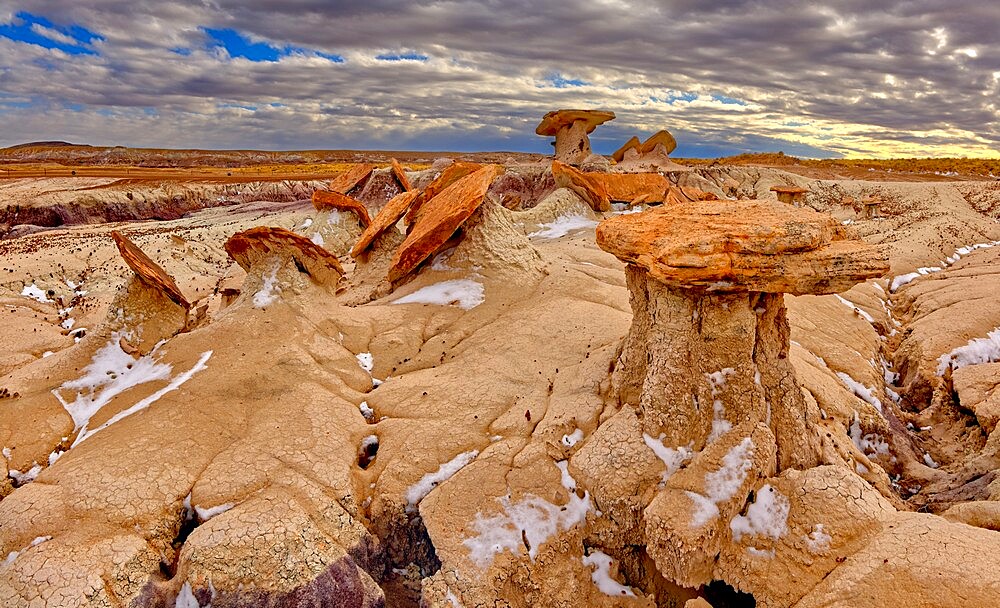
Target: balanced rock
(249, 246)
(632, 144)
(400, 173)
(570, 128)
(440, 217)
(387, 217)
(148, 270)
(791, 195)
(323, 200)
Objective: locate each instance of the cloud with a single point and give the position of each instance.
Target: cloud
(913, 77)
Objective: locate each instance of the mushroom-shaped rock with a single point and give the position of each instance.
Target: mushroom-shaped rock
(448, 176)
(792, 195)
(148, 270)
(323, 200)
(583, 184)
(870, 207)
(570, 128)
(353, 178)
(385, 218)
(440, 217)
(257, 243)
(632, 144)
(660, 138)
(400, 173)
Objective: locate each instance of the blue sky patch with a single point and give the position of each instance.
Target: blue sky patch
(37, 30)
(407, 56)
(237, 44)
(561, 82)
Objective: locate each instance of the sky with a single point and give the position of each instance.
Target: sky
(840, 78)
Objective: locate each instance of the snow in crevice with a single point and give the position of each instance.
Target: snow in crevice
(573, 438)
(526, 524)
(721, 485)
(14, 554)
(864, 315)
(863, 392)
(28, 476)
(32, 291)
(600, 562)
(270, 291)
(563, 225)
(766, 516)
(672, 458)
(904, 279)
(717, 382)
(429, 481)
(871, 444)
(978, 350)
(463, 293)
(207, 513)
(366, 361)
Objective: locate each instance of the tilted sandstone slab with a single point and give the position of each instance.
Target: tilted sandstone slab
(325, 201)
(627, 187)
(148, 270)
(251, 245)
(385, 219)
(660, 138)
(631, 144)
(452, 173)
(355, 177)
(742, 246)
(440, 218)
(583, 184)
(400, 173)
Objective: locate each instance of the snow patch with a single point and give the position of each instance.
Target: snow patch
(366, 361)
(27, 476)
(527, 523)
(766, 516)
(429, 481)
(978, 350)
(563, 225)
(573, 438)
(207, 513)
(186, 598)
(818, 541)
(270, 292)
(32, 291)
(672, 458)
(930, 461)
(721, 485)
(317, 239)
(366, 411)
(601, 575)
(464, 293)
(864, 315)
(717, 381)
(863, 392)
(871, 444)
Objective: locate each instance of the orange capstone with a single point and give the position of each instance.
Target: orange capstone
(325, 201)
(352, 178)
(385, 218)
(555, 120)
(265, 241)
(440, 217)
(662, 137)
(148, 270)
(583, 184)
(742, 246)
(627, 187)
(400, 173)
(452, 173)
(633, 143)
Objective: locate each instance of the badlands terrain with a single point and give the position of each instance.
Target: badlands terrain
(495, 380)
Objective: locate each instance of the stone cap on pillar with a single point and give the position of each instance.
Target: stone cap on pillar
(742, 246)
(661, 137)
(558, 119)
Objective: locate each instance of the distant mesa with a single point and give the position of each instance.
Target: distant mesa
(48, 144)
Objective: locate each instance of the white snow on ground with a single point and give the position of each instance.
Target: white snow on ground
(6, 453)
(270, 292)
(317, 239)
(722, 484)
(863, 392)
(961, 251)
(766, 516)
(930, 461)
(32, 291)
(601, 575)
(672, 458)
(532, 518)
(67, 323)
(573, 438)
(428, 482)
(818, 541)
(186, 598)
(13, 554)
(870, 444)
(440, 261)
(856, 308)
(625, 209)
(207, 513)
(27, 476)
(978, 350)
(717, 380)
(464, 293)
(366, 361)
(308, 222)
(563, 225)
(366, 411)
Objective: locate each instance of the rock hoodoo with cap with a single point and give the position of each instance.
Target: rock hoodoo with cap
(571, 128)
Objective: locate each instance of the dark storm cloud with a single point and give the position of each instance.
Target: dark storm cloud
(902, 77)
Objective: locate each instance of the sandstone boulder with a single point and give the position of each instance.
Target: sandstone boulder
(263, 242)
(148, 270)
(448, 176)
(324, 201)
(386, 218)
(400, 173)
(353, 178)
(583, 184)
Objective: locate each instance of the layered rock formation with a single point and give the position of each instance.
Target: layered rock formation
(570, 128)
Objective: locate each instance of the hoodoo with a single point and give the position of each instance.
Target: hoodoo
(571, 128)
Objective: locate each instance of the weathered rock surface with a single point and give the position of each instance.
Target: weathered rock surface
(448, 176)
(570, 128)
(148, 270)
(265, 243)
(352, 179)
(386, 218)
(325, 201)
(583, 184)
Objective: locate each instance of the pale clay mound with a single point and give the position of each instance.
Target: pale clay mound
(490, 440)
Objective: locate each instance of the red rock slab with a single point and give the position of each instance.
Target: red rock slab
(264, 241)
(660, 137)
(452, 173)
(555, 120)
(440, 218)
(619, 154)
(350, 179)
(400, 173)
(325, 201)
(589, 189)
(148, 270)
(742, 246)
(626, 187)
(385, 218)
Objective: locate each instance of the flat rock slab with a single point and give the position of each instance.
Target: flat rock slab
(440, 218)
(355, 177)
(737, 246)
(660, 137)
(627, 187)
(400, 173)
(385, 218)
(631, 144)
(325, 201)
(589, 189)
(148, 270)
(558, 119)
(452, 173)
(247, 246)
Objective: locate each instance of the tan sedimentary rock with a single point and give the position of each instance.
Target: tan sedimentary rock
(387, 217)
(632, 144)
(440, 217)
(870, 207)
(148, 270)
(791, 195)
(583, 184)
(264, 242)
(660, 138)
(627, 187)
(324, 201)
(353, 178)
(570, 128)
